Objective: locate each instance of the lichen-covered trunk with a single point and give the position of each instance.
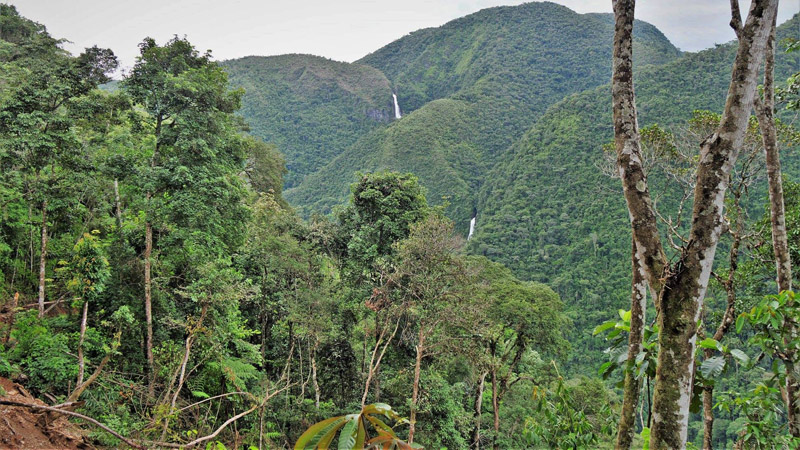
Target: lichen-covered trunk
(766, 120)
(43, 260)
(765, 112)
(632, 386)
(682, 286)
(148, 306)
(415, 388)
(476, 432)
(685, 287)
(647, 241)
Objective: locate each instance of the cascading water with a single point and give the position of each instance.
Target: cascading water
(471, 227)
(397, 114)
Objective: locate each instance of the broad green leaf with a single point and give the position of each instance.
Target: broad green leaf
(603, 327)
(740, 322)
(312, 437)
(740, 356)
(709, 343)
(712, 367)
(347, 438)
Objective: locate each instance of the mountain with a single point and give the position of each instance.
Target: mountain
(550, 215)
(310, 107)
(498, 70)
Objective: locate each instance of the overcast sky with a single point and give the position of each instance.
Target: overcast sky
(343, 30)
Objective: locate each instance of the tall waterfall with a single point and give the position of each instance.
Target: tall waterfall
(397, 114)
(471, 227)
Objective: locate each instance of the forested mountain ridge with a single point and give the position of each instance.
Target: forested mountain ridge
(534, 51)
(500, 68)
(550, 214)
(157, 288)
(310, 107)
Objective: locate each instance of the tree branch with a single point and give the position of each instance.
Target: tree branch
(74, 414)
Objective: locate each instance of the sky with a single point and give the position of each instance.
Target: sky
(343, 30)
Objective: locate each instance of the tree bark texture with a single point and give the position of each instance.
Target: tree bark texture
(682, 285)
(148, 305)
(43, 260)
(476, 432)
(415, 389)
(632, 386)
(81, 362)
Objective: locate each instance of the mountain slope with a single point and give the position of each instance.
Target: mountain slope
(310, 107)
(549, 214)
(504, 66)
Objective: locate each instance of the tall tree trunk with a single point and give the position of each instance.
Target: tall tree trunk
(81, 364)
(765, 112)
(148, 305)
(708, 412)
(684, 283)
(476, 432)
(375, 363)
(627, 421)
(117, 206)
(415, 388)
(314, 374)
(148, 252)
(43, 259)
(495, 409)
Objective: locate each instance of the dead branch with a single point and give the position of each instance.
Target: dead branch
(74, 414)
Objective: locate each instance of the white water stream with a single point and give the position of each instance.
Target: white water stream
(471, 227)
(397, 114)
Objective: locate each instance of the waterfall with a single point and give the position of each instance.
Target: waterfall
(397, 114)
(471, 227)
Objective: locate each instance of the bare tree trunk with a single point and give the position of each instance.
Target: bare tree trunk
(765, 112)
(82, 387)
(314, 374)
(415, 388)
(627, 421)
(148, 306)
(495, 409)
(117, 206)
(683, 285)
(80, 342)
(43, 259)
(476, 432)
(708, 413)
(766, 119)
(374, 363)
(12, 317)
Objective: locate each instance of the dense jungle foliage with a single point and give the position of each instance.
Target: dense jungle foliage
(155, 271)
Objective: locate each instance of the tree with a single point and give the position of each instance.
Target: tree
(765, 112)
(516, 318)
(383, 207)
(36, 129)
(682, 285)
(196, 150)
(433, 286)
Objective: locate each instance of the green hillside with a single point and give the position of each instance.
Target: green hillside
(501, 68)
(312, 108)
(548, 213)
(538, 51)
